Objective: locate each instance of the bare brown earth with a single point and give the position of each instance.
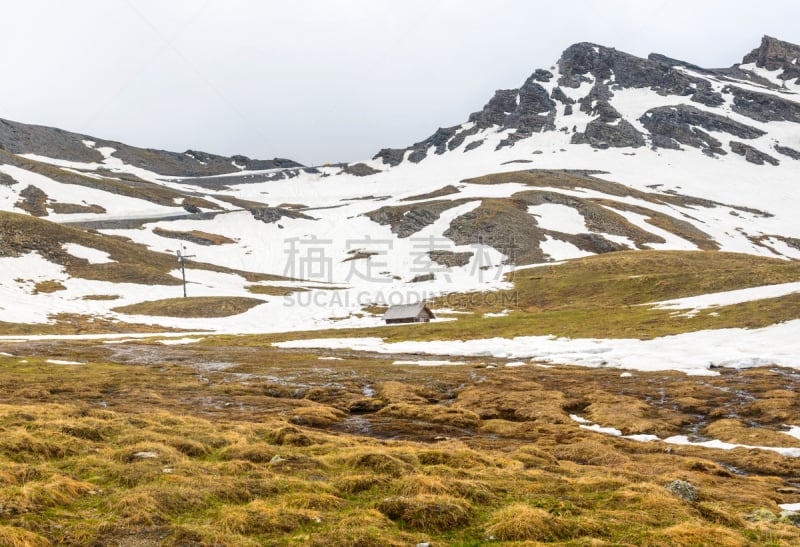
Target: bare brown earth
(221, 444)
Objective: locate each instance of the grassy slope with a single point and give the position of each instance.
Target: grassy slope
(196, 306)
(600, 296)
(133, 263)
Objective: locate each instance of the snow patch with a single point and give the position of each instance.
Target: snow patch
(94, 256)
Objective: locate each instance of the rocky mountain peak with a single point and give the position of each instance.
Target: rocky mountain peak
(774, 54)
(593, 79)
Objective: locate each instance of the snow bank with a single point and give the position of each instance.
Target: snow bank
(691, 353)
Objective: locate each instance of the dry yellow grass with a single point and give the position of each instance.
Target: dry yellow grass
(11, 536)
(427, 512)
(180, 454)
(521, 522)
(195, 306)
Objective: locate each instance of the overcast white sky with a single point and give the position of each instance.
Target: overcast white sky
(324, 80)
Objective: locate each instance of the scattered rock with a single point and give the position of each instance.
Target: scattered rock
(751, 154)
(684, 490)
(786, 151)
(790, 517)
(422, 277)
(761, 515)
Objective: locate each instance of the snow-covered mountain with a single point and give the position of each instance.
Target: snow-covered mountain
(601, 152)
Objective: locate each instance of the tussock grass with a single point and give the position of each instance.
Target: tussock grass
(251, 452)
(427, 512)
(262, 517)
(21, 446)
(734, 431)
(316, 415)
(354, 484)
(475, 491)
(590, 452)
(521, 522)
(456, 417)
(533, 457)
(453, 455)
(363, 528)
(11, 536)
(380, 462)
(692, 533)
(628, 414)
(309, 500)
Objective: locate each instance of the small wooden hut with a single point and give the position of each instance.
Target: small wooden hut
(408, 313)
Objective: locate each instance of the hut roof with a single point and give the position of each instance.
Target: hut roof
(405, 311)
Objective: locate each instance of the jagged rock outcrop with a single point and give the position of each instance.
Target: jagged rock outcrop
(751, 154)
(527, 110)
(670, 125)
(535, 110)
(608, 129)
(786, 151)
(600, 134)
(763, 107)
(774, 54)
(407, 220)
(580, 61)
(419, 150)
(495, 111)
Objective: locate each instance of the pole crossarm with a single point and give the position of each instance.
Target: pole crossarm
(182, 259)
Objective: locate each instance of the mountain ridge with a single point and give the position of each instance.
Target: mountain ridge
(532, 108)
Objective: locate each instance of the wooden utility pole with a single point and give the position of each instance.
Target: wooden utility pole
(182, 259)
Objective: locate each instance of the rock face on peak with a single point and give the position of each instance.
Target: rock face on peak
(606, 98)
(774, 54)
(21, 138)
